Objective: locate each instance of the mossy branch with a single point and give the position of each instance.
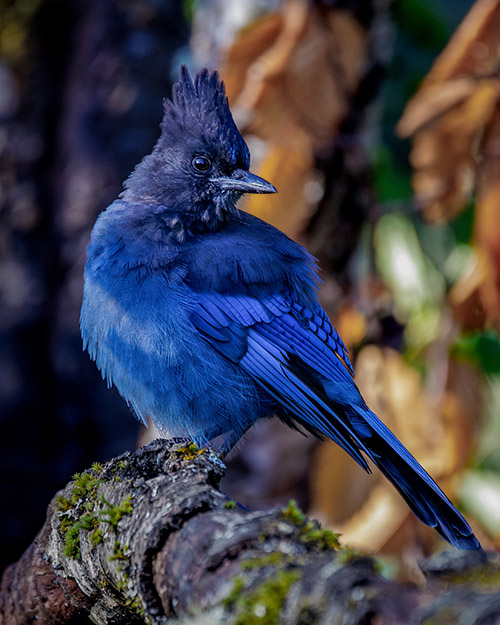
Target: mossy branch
(149, 537)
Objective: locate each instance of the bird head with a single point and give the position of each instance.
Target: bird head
(199, 166)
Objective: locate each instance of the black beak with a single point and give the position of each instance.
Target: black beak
(243, 181)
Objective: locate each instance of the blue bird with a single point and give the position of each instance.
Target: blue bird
(206, 318)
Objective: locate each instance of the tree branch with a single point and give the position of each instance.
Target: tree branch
(148, 537)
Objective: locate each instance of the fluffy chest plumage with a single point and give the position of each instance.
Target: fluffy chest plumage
(140, 334)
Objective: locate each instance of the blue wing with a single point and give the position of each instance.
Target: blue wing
(282, 346)
(295, 354)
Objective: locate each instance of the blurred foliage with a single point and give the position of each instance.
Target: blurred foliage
(15, 19)
(416, 284)
(453, 122)
(480, 348)
(420, 22)
(452, 299)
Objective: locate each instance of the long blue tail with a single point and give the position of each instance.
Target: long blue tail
(419, 490)
(360, 432)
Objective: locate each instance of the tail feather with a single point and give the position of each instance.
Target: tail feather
(419, 490)
(312, 401)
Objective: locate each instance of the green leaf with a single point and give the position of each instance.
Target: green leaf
(421, 21)
(392, 183)
(480, 493)
(480, 348)
(412, 277)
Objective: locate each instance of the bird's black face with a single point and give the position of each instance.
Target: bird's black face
(195, 177)
(219, 175)
(199, 166)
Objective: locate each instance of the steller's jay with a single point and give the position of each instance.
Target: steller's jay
(206, 318)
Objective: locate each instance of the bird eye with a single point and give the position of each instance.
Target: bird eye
(201, 163)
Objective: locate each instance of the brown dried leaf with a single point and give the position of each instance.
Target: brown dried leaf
(476, 297)
(453, 111)
(474, 48)
(487, 236)
(297, 67)
(436, 100)
(289, 78)
(377, 521)
(339, 486)
(465, 297)
(290, 169)
(265, 63)
(252, 42)
(446, 152)
(351, 324)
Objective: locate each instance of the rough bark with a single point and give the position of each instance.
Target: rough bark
(149, 538)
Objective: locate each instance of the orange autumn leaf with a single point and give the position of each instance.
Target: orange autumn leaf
(474, 47)
(289, 77)
(290, 168)
(487, 235)
(446, 152)
(351, 324)
(452, 111)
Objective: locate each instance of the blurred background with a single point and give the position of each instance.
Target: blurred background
(379, 123)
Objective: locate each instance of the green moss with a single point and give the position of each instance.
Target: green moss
(76, 512)
(73, 516)
(348, 554)
(310, 531)
(122, 559)
(119, 552)
(190, 451)
(263, 604)
(293, 513)
(122, 583)
(88, 522)
(135, 604)
(235, 594)
(96, 537)
(85, 487)
(480, 577)
(270, 559)
(229, 504)
(63, 504)
(64, 508)
(113, 514)
(132, 603)
(71, 547)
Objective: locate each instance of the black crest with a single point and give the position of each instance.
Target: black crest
(199, 108)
